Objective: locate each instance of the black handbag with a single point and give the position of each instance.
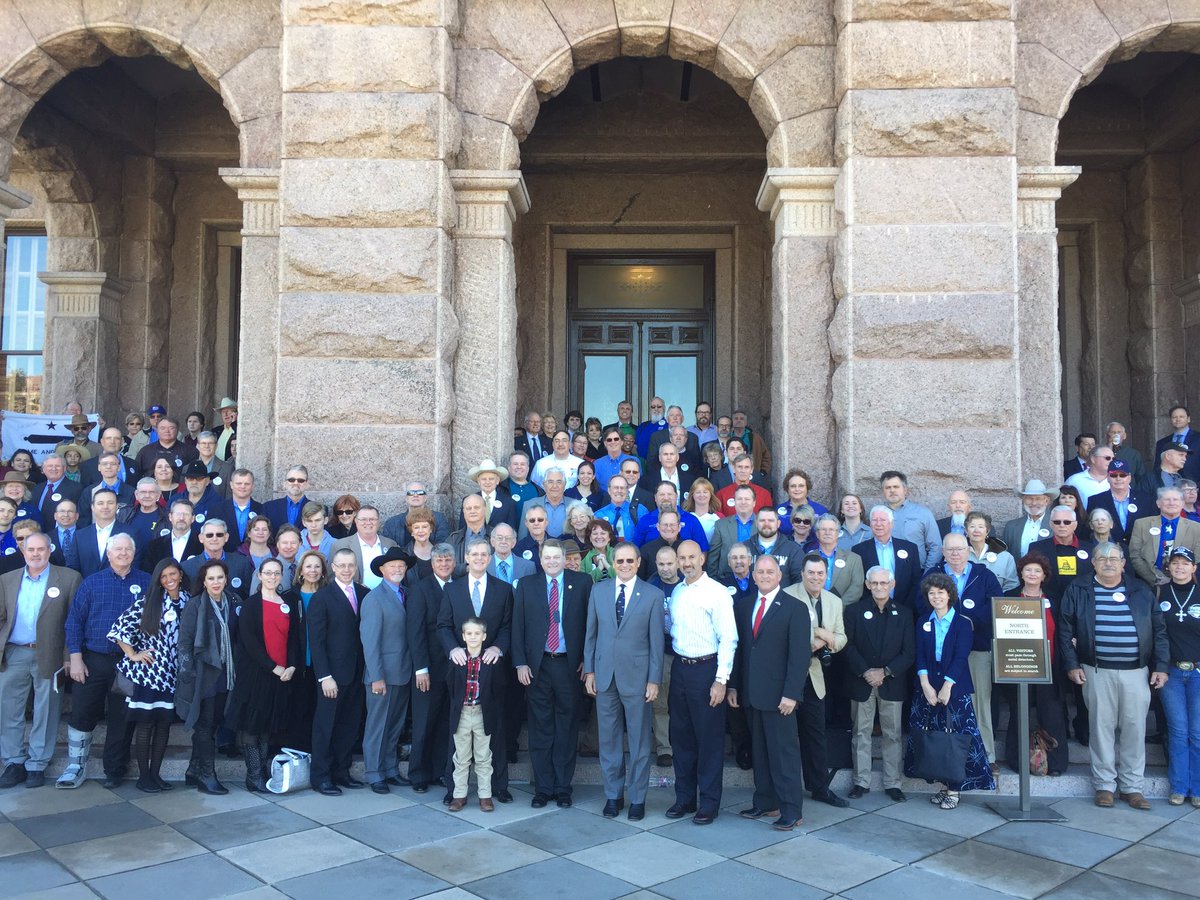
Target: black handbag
(940, 755)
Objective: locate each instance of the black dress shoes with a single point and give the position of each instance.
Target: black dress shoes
(349, 781)
(704, 817)
(112, 781)
(612, 808)
(13, 775)
(329, 789)
(782, 824)
(397, 781)
(755, 813)
(828, 796)
(745, 761)
(895, 794)
(502, 796)
(679, 810)
(563, 801)
(540, 800)
(420, 787)
(448, 798)
(37, 778)
(637, 812)
(858, 791)
(380, 787)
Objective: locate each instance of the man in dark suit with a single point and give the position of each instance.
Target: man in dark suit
(770, 668)
(285, 510)
(499, 507)
(337, 665)
(549, 663)
(108, 478)
(879, 652)
(898, 556)
(623, 670)
(213, 535)
(668, 466)
(686, 443)
(57, 488)
(1182, 432)
(1123, 501)
(180, 542)
(532, 441)
(240, 509)
(958, 504)
(482, 596)
(84, 555)
(111, 441)
(430, 700)
(1080, 461)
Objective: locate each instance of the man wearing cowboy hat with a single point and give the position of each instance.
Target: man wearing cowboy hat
(499, 507)
(227, 431)
(1034, 525)
(81, 426)
(388, 669)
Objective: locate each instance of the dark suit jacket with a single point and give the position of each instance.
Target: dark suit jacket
(456, 608)
(276, 511)
(89, 471)
(225, 512)
(1146, 508)
(886, 640)
(531, 620)
(690, 453)
(956, 650)
(424, 604)
(333, 635)
(1192, 439)
(66, 490)
(160, 548)
(652, 475)
(240, 568)
(125, 500)
(489, 696)
(1072, 466)
(504, 511)
(522, 443)
(84, 556)
(774, 664)
(908, 569)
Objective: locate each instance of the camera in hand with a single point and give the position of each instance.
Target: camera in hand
(825, 655)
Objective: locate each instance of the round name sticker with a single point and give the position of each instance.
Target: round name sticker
(1133, 507)
(10, 551)
(902, 554)
(732, 590)
(53, 592)
(134, 589)
(1165, 606)
(496, 504)
(170, 615)
(163, 532)
(684, 467)
(1046, 603)
(284, 608)
(928, 626)
(253, 514)
(1045, 532)
(1119, 597)
(991, 557)
(839, 564)
(729, 502)
(968, 603)
(782, 510)
(178, 463)
(200, 518)
(662, 422)
(56, 496)
(1156, 530)
(237, 611)
(53, 548)
(868, 615)
(217, 480)
(528, 554)
(1082, 554)
(237, 582)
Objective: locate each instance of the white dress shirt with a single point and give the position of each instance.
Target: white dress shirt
(702, 623)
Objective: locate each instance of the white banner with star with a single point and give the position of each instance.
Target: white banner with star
(37, 434)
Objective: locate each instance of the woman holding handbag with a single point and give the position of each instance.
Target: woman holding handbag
(942, 722)
(148, 635)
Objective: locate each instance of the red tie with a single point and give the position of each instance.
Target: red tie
(758, 616)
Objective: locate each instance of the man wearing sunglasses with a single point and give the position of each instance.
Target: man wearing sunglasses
(1123, 500)
(416, 496)
(285, 510)
(1070, 555)
(610, 464)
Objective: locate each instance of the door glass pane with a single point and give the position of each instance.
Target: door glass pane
(675, 382)
(605, 383)
(21, 383)
(640, 286)
(24, 324)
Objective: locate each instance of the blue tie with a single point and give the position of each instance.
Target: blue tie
(502, 566)
(621, 605)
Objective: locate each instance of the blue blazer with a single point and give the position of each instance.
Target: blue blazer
(84, 556)
(276, 511)
(225, 512)
(955, 651)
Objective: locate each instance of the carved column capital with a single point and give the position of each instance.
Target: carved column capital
(258, 189)
(488, 202)
(86, 295)
(1038, 190)
(800, 201)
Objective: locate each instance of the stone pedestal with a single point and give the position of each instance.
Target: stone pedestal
(485, 373)
(258, 189)
(81, 353)
(800, 202)
(1039, 359)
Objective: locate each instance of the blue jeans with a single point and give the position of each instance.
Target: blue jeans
(1181, 700)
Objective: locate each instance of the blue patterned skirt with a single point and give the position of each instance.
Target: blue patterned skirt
(961, 713)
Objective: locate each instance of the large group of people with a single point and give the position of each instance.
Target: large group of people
(652, 593)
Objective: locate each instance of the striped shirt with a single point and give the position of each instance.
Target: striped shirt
(702, 622)
(1116, 634)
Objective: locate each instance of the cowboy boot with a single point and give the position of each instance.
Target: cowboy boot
(79, 748)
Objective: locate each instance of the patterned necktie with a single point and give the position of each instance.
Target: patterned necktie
(476, 600)
(502, 568)
(552, 631)
(68, 538)
(621, 604)
(350, 596)
(758, 616)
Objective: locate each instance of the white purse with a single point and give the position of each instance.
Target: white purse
(289, 771)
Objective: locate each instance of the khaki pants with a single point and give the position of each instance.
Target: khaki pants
(890, 714)
(980, 665)
(471, 741)
(662, 729)
(1117, 700)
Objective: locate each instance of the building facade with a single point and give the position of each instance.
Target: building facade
(388, 227)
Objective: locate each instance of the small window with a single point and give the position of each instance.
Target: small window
(23, 323)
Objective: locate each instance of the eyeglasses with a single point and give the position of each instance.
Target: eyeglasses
(535, 521)
(416, 493)
(612, 440)
(215, 534)
(1108, 559)
(345, 512)
(297, 480)
(1119, 475)
(1062, 521)
(802, 521)
(81, 427)
(625, 562)
(954, 549)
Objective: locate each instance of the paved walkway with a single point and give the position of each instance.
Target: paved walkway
(124, 844)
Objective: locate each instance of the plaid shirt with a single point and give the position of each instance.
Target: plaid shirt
(98, 604)
(471, 697)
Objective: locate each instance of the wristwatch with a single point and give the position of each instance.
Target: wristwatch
(721, 681)
(887, 672)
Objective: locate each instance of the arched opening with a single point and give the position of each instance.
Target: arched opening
(1129, 246)
(643, 264)
(141, 239)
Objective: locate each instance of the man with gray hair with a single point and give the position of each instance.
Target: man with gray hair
(285, 510)
(1117, 439)
(1094, 479)
(416, 496)
(554, 504)
(1070, 555)
(1154, 538)
(898, 556)
(430, 699)
(1112, 641)
(58, 487)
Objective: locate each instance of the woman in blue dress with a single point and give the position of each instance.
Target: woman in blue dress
(943, 697)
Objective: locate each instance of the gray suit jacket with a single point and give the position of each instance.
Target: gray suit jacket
(50, 630)
(1013, 528)
(351, 543)
(1143, 546)
(517, 568)
(848, 580)
(384, 632)
(630, 654)
(723, 537)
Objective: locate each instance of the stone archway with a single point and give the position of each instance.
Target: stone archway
(1063, 47)
(512, 59)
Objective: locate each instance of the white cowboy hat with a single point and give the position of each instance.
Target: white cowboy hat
(227, 403)
(1035, 488)
(487, 466)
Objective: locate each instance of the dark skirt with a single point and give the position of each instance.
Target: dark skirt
(148, 706)
(261, 704)
(961, 713)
